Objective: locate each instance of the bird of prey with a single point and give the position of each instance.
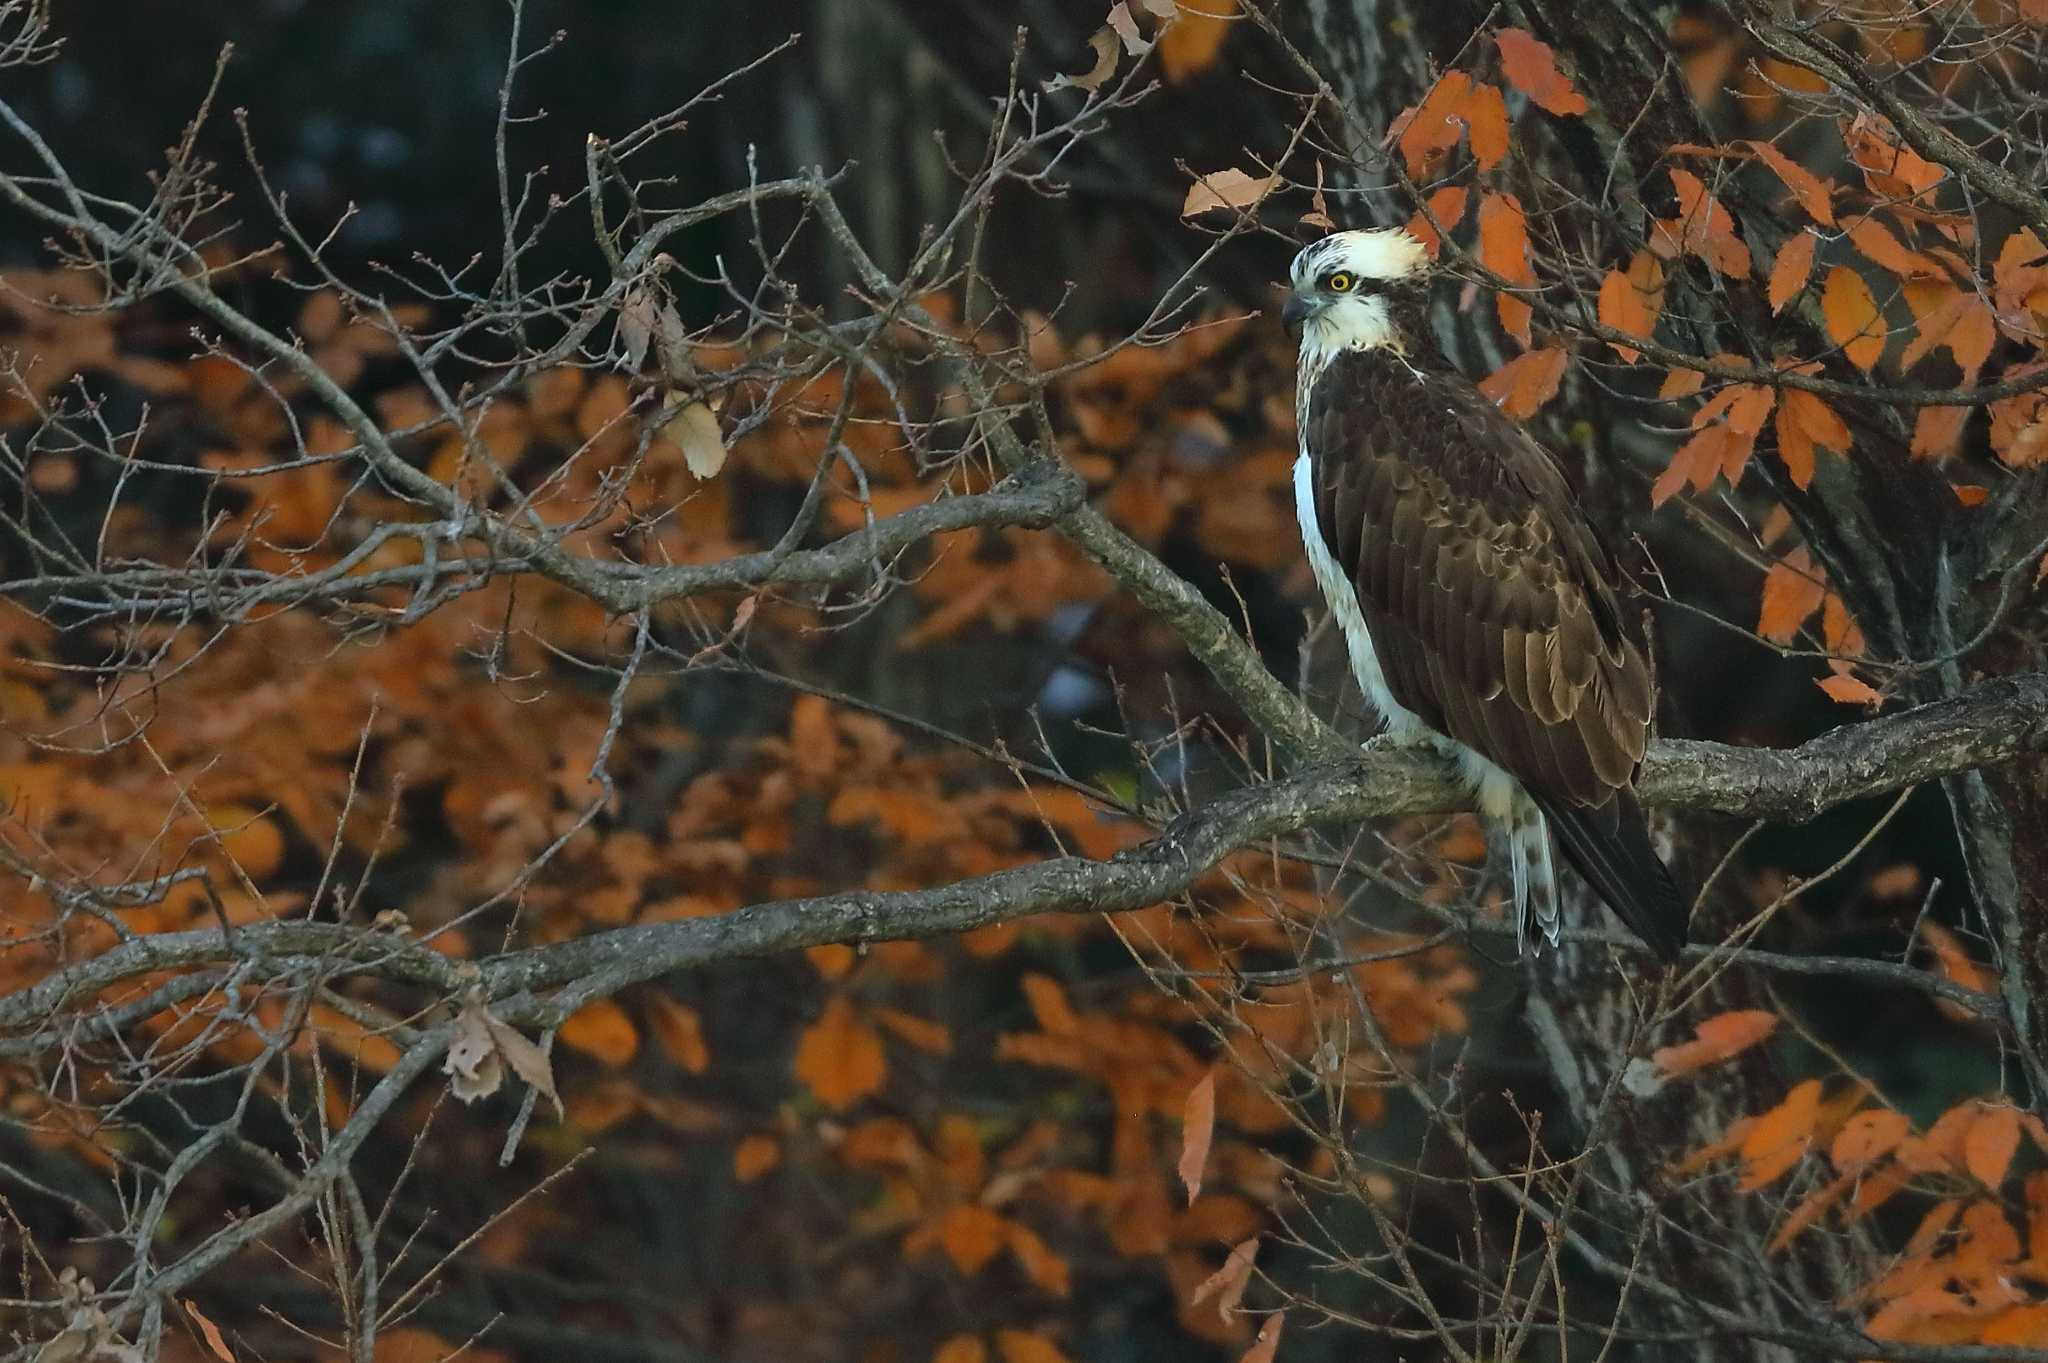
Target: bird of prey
(1479, 610)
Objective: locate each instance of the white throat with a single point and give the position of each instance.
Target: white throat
(1360, 323)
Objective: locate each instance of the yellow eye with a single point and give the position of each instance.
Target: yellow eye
(1339, 282)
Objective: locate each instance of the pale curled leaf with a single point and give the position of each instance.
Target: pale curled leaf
(693, 429)
(1227, 1284)
(483, 1046)
(1267, 1345)
(472, 1065)
(1125, 26)
(1104, 44)
(1227, 189)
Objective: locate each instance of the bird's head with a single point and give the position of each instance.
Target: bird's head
(1350, 289)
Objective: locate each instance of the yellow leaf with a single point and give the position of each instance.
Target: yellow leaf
(840, 1057)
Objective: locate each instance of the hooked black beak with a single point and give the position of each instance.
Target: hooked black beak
(1295, 312)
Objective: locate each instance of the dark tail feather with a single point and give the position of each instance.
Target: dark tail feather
(1610, 846)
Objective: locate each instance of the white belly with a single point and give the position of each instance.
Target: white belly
(1494, 789)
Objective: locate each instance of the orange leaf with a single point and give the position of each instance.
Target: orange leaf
(1680, 383)
(1447, 206)
(602, 1029)
(1780, 1136)
(1038, 1261)
(1954, 962)
(1193, 38)
(1790, 269)
(1849, 689)
(928, 1036)
(1027, 1346)
(1867, 1136)
(1486, 125)
(840, 1057)
(1808, 1211)
(1630, 301)
(1876, 1189)
(1814, 193)
(214, 1342)
(1795, 446)
(1525, 383)
(971, 1235)
(1890, 168)
(1705, 228)
(1049, 1005)
(2018, 1324)
(681, 1034)
(2037, 1216)
(1992, 1140)
(962, 1349)
(1852, 318)
(1716, 1039)
(1504, 249)
(1936, 431)
(1531, 67)
(754, 1156)
(1431, 128)
(1792, 592)
(1198, 1129)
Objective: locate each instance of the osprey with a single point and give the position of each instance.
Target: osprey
(1478, 609)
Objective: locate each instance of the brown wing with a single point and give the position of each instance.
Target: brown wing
(1491, 606)
(1486, 592)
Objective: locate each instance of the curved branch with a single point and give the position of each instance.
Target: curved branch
(1992, 723)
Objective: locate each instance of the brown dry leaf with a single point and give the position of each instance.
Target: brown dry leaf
(602, 1030)
(1992, 1141)
(217, 1345)
(1231, 189)
(681, 1033)
(481, 1049)
(1318, 214)
(1227, 1284)
(1790, 270)
(1852, 318)
(1104, 43)
(1267, 1345)
(1198, 1129)
(692, 427)
(1525, 383)
(840, 1057)
(1717, 1038)
(636, 326)
(1531, 67)
(1793, 590)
